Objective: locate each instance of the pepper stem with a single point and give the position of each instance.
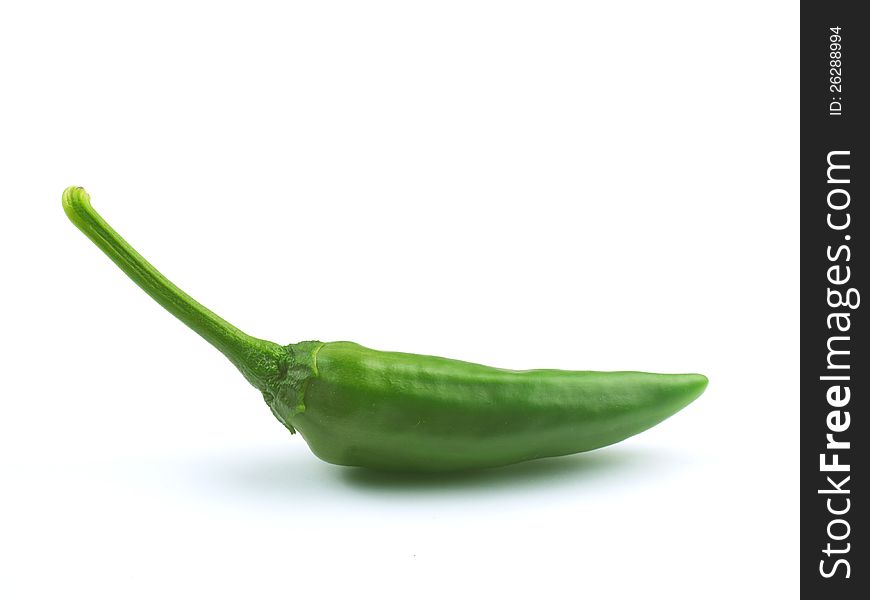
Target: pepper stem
(260, 361)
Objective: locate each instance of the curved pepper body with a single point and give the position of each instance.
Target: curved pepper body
(391, 410)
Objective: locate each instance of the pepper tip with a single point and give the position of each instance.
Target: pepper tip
(701, 382)
(73, 197)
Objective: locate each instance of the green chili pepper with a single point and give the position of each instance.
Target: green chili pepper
(389, 410)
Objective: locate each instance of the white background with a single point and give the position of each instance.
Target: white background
(522, 184)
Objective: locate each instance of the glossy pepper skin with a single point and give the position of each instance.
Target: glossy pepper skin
(407, 412)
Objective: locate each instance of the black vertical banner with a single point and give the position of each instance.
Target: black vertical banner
(835, 374)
